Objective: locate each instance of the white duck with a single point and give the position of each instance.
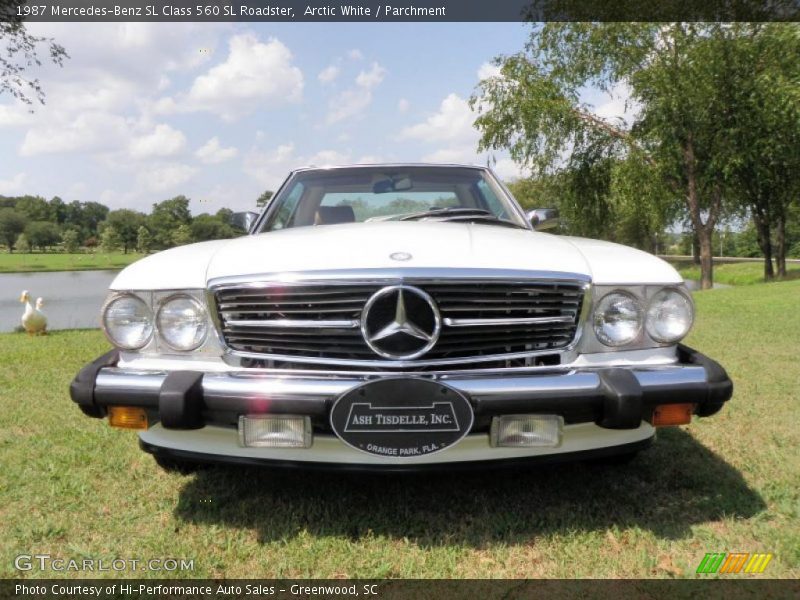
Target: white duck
(33, 319)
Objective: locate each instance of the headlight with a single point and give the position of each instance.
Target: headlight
(182, 323)
(617, 319)
(669, 316)
(128, 322)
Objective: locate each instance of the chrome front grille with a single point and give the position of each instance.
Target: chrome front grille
(321, 321)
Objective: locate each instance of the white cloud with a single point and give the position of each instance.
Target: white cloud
(451, 123)
(403, 105)
(14, 185)
(269, 168)
(373, 77)
(329, 73)
(355, 54)
(255, 75)
(162, 141)
(212, 152)
(353, 101)
(163, 178)
(488, 70)
(89, 131)
(15, 115)
(451, 129)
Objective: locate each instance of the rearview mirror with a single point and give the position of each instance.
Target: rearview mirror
(543, 218)
(244, 220)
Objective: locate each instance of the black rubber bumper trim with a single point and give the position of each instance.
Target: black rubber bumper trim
(477, 465)
(180, 400)
(81, 390)
(719, 387)
(619, 402)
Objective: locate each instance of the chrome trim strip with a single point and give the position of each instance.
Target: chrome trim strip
(290, 323)
(389, 364)
(242, 385)
(523, 321)
(387, 276)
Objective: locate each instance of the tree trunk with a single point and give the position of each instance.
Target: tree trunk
(695, 248)
(706, 260)
(780, 245)
(763, 233)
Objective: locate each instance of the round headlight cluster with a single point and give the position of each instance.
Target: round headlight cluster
(618, 319)
(128, 322)
(182, 323)
(669, 316)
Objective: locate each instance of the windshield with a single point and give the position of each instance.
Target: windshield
(363, 194)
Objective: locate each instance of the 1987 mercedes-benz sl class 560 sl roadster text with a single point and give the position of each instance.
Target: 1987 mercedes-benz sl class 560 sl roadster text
(397, 317)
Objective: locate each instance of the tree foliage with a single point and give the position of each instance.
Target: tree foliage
(12, 224)
(19, 51)
(70, 240)
(110, 240)
(126, 222)
(682, 81)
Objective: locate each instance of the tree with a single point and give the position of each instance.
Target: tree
(85, 217)
(18, 52)
(766, 135)
(35, 208)
(110, 240)
(144, 241)
(165, 219)
(12, 224)
(70, 240)
(182, 236)
(674, 72)
(126, 223)
(22, 243)
(206, 227)
(264, 198)
(42, 234)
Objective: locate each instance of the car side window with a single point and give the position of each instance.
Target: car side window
(285, 213)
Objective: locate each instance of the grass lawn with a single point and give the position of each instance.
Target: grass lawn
(56, 261)
(72, 487)
(745, 273)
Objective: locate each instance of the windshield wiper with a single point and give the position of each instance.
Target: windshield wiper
(445, 212)
(485, 219)
(462, 214)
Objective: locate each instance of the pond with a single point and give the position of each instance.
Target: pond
(72, 299)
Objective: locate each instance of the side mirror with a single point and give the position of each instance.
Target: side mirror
(244, 220)
(543, 218)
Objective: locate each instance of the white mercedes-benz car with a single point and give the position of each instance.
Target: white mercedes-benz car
(402, 317)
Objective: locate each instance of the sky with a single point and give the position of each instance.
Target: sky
(220, 112)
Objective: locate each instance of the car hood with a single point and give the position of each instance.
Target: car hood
(431, 245)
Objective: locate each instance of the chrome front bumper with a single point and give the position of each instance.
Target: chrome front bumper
(597, 402)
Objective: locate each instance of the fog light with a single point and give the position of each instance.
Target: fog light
(275, 431)
(127, 417)
(672, 414)
(526, 431)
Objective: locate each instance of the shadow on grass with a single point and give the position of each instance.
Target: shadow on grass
(666, 489)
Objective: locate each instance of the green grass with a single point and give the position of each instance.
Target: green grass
(71, 486)
(744, 273)
(54, 261)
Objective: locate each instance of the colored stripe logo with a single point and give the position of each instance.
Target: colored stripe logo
(734, 562)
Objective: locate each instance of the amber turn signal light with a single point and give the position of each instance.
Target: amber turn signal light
(672, 414)
(127, 417)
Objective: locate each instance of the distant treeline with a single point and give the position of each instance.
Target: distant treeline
(29, 223)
